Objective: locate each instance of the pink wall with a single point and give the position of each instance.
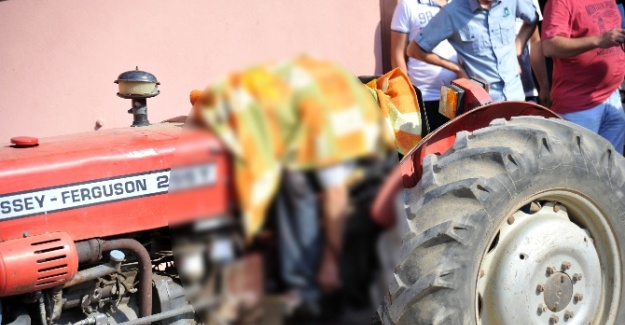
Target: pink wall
(58, 59)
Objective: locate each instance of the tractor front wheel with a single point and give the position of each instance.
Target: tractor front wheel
(522, 222)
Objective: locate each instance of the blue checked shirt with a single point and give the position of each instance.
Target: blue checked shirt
(484, 40)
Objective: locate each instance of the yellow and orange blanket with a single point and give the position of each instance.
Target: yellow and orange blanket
(303, 114)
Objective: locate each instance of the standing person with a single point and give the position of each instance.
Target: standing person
(483, 34)
(584, 37)
(533, 64)
(548, 61)
(410, 17)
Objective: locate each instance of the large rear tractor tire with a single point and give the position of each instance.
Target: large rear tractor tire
(521, 222)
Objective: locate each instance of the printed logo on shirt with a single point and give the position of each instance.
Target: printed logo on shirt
(593, 8)
(607, 17)
(425, 17)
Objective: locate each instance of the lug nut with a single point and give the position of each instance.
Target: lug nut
(510, 220)
(540, 288)
(568, 314)
(542, 308)
(578, 297)
(554, 319)
(577, 276)
(556, 208)
(566, 265)
(551, 270)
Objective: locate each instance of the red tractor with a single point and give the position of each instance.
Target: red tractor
(508, 220)
(135, 225)
(512, 216)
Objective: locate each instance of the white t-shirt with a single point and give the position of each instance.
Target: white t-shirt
(410, 17)
(526, 68)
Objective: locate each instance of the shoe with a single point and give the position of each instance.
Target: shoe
(306, 313)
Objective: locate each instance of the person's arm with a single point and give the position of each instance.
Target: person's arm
(539, 66)
(525, 33)
(415, 51)
(400, 28)
(565, 47)
(334, 206)
(398, 50)
(440, 28)
(557, 39)
(528, 12)
(334, 202)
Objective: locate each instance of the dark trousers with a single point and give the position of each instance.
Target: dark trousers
(296, 211)
(532, 99)
(434, 118)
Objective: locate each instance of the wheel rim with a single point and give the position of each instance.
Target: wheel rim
(557, 263)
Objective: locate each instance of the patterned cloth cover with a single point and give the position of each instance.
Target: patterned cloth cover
(301, 114)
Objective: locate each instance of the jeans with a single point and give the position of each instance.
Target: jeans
(621, 9)
(607, 119)
(299, 234)
(297, 211)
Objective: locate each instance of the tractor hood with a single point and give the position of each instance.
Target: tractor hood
(111, 181)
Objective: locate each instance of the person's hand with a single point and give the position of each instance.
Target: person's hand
(462, 73)
(544, 98)
(328, 276)
(611, 38)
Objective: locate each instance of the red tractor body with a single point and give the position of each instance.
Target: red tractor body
(95, 185)
(408, 174)
(69, 199)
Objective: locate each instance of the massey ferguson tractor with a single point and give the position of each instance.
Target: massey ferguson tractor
(512, 216)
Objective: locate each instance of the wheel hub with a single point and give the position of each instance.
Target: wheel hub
(546, 251)
(558, 291)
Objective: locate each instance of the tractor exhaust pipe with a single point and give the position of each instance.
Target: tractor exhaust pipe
(90, 251)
